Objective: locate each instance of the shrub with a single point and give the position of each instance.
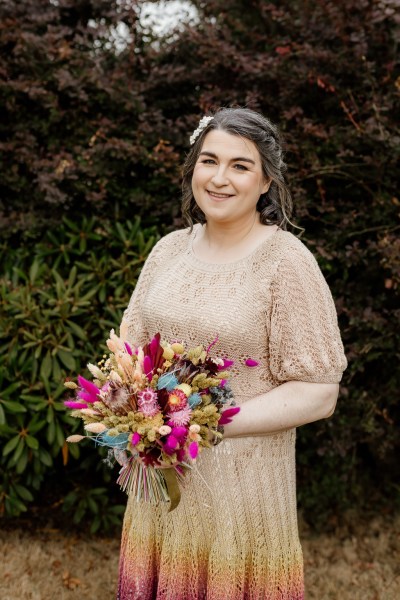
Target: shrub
(59, 301)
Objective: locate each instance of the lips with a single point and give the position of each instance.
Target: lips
(219, 196)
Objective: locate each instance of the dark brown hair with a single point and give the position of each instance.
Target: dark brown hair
(275, 206)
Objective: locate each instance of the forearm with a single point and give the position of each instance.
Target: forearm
(289, 405)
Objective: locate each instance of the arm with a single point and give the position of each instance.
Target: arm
(291, 404)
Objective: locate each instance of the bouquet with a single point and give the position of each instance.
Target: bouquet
(155, 407)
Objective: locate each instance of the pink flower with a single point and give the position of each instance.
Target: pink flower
(193, 450)
(180, 417)
(147, 402)
(225, 364)
(228, 414)
(75, 405)
(250, 362)
(89, 387)
(170, 444)
(135, 439)
(177, 400)
(179, 432)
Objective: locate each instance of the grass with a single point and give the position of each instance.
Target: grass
(360, 560)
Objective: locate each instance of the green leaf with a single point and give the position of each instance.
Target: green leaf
(14, 407)
(23, 492)
(2, 416)
(17, 453)
(11, 445)
(45, 457)
(32, 442)
(33, 271)
(45, 367)
(10, 389)
(23, 461)
(67, 359)
(78, 331)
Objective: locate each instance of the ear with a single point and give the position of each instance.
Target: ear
(266, 186)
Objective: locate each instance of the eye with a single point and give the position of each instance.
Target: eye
(208, 161)
(240, 167)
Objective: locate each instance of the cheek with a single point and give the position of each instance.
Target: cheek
(198, 177)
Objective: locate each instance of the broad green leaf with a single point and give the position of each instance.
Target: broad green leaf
(23, 492)
(45, 457)
(14, 407)
(32, 442)
(33, 271)
(23, 461)
(11, 445)
(78, 331)
(45, 367)
(67, 359)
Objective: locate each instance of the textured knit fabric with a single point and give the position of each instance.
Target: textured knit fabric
(234, 534)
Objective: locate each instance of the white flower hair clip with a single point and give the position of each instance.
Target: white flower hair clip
(202, 125)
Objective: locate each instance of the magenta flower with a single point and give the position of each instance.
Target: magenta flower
(171, 444)
(86, 397)
(228, 414)
(148, 367)
(88, 388)
(193, 450)
(179, 432)
(75, 405)
(250, 362)
(226, 364)
(135, 439)
(128, 349)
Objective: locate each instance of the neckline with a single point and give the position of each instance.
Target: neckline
(226, 265)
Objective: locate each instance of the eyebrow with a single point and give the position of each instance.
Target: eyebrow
(237, 159)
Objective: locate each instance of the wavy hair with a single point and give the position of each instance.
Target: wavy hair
(275, 206)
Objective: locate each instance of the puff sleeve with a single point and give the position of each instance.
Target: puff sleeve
(304, 337)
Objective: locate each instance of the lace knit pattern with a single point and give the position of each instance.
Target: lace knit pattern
(234, 534)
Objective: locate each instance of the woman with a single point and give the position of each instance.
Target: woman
(237, 274)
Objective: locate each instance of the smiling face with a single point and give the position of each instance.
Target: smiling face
(228, 179)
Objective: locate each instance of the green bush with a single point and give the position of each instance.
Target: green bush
(59, 301)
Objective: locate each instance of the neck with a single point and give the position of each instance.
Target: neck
(226, 235)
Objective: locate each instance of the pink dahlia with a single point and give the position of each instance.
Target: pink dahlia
(147, 402)
(180, 418)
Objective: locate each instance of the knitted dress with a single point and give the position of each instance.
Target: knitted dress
(234, 534)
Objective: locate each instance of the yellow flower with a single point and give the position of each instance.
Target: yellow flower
(168, 353)
(178, 348)
(185, 388)
(70, 385)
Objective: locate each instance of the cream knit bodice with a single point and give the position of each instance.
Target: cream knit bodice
(273, 306)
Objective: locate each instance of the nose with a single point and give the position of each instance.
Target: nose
(219, 177)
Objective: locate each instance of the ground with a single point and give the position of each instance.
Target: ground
(359, 560)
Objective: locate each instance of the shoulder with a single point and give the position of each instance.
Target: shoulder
(293, 254)
(174, 242)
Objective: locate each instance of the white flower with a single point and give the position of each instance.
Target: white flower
(73, 439)
(95, 427)
(202, 125)
(95, 371)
